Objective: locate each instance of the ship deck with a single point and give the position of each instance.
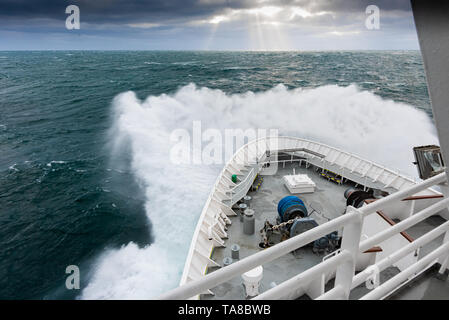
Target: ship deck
(326, 203)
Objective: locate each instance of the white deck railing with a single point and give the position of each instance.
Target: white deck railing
(342, 263)
(241, 189)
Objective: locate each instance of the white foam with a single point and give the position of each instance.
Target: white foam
(344, 117)
(55, 162)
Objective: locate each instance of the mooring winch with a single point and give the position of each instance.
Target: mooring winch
(294, 219)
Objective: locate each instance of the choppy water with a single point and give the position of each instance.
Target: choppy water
(84, 176)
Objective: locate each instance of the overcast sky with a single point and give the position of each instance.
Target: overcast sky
(206, 25)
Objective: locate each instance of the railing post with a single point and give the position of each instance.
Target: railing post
(412, 208)
(444, 260)
(350, 242)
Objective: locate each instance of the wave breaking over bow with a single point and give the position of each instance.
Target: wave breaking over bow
(357, 121)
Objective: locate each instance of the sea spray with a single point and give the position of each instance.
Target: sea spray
(358, 121)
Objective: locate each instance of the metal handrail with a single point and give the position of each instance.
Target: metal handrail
(404, 224)
(351, 223)
(391, 284)
(398, 255)
(243, 181)
(215, 278)
(401, 194)
(244, 185)
(305, 277)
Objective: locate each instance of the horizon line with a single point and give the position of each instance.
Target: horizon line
(206, 50)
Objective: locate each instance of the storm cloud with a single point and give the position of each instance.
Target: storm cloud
(166, 22)
(174, 10)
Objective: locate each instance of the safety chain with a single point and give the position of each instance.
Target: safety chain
(269, 227)
(283, 224)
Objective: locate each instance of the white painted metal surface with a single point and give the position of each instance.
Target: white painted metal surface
(251, 280)
(299, 183)
(374, 224)
(351, 247)
(210, 231)
(247, 163)
(399, 254)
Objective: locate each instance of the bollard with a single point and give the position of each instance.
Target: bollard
(249, 222)
(227, 261)
(235, 250)
(242, 208)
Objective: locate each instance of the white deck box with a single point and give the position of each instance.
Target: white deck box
(299, 183)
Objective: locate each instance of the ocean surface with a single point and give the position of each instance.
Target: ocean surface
(85, 176)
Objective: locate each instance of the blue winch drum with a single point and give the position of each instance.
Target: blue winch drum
(302, 225)
(291, 207)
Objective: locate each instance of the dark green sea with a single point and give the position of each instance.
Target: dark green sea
(84, 175)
